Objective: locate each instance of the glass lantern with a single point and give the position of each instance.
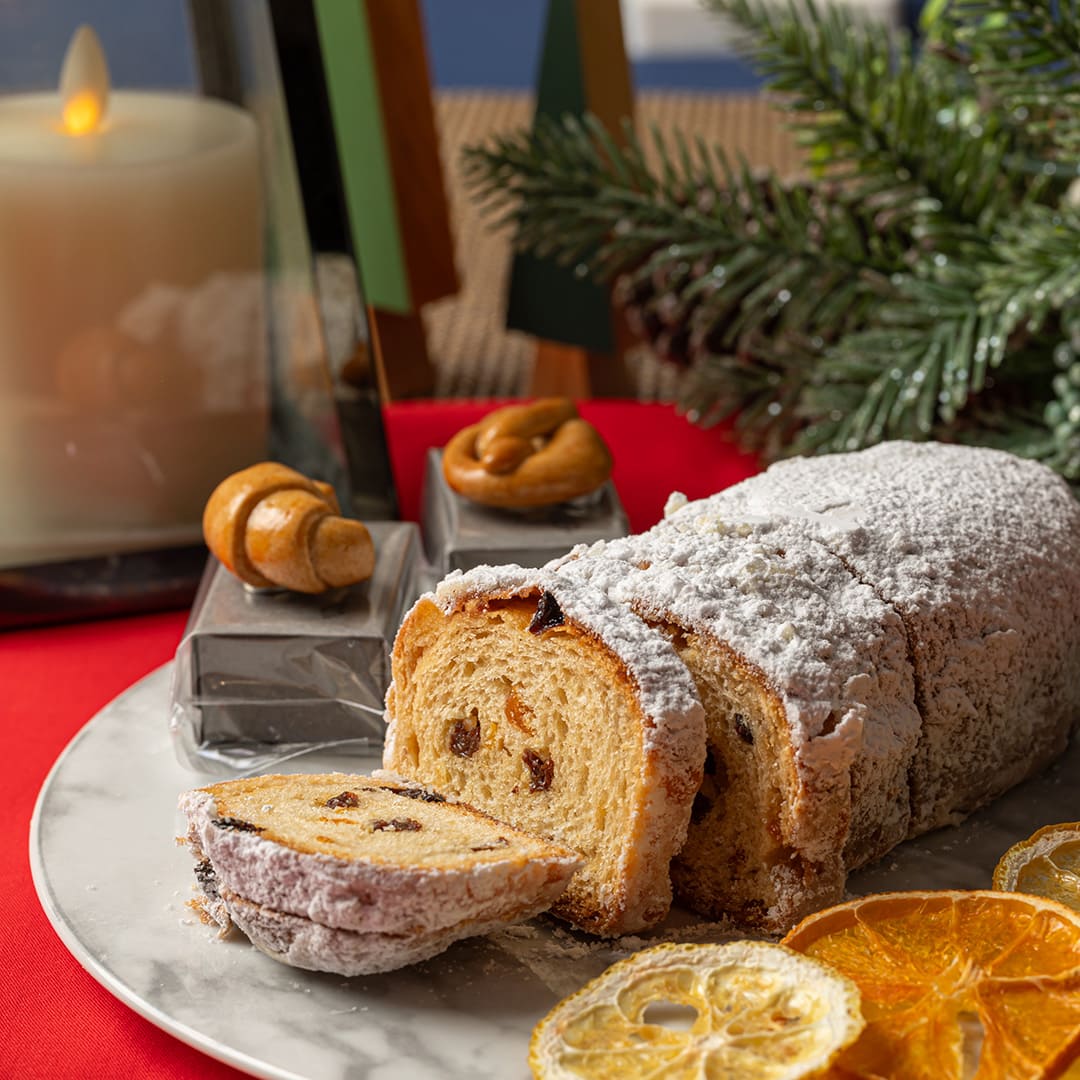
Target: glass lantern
(159, 324)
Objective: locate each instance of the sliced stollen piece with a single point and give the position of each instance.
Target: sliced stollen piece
(299, 942)
(979, 553)
(552, 707)
(810, 715)
(369, 855)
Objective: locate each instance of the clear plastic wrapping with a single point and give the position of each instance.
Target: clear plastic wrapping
(263, 674)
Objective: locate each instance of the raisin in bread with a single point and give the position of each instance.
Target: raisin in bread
(881, 641)
(562, 713)
(356, 874)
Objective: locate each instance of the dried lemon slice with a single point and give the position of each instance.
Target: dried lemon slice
(1046, 864)
(750, 1010)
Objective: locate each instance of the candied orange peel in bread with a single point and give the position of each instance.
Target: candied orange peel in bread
(881, 642)
(357, 874)
(526, 456)
(271, 526)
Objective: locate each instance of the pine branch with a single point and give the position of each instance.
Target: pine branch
(1036, 270)
(1062, 413)
(937, 341)
(947, 328)
(1027, 52)
(1011, 415)
(875, 115)
(714, 233)
(912, 368)
(924, 284)
(570, 192)
(759, 388)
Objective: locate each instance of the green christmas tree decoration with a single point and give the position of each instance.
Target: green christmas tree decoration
(545, 297)
(921, 280)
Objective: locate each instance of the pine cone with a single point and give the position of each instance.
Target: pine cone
(655, 311)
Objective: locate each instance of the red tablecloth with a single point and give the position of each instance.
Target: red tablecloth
(55, 1021)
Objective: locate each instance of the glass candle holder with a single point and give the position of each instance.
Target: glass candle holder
(133, 340)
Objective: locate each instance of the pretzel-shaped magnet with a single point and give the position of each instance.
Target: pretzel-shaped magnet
(525, 456)
(270, 525)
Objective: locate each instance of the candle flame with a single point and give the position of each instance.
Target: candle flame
(82, 113)
(84, 83)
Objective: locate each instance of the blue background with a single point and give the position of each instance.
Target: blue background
(491, 44)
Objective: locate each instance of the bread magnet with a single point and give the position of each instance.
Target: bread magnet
(527, 456)
(273, 527)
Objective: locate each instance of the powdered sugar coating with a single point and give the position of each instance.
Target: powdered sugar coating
(667, 693)
(977, 550)
(823, 642)
(375, 897)
(299, 942)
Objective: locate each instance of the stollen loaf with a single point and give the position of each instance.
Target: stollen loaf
(766, 690)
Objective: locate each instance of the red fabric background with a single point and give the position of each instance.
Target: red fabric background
(56, 1022)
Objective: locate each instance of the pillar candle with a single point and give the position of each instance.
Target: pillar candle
(132, 336)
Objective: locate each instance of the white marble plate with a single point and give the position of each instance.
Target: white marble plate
(115, 887)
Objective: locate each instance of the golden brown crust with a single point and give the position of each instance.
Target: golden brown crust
(526, 456)
(271, 526)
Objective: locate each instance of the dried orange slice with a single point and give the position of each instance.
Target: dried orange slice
(749, 1009)
(955, 984)
(1047, 864)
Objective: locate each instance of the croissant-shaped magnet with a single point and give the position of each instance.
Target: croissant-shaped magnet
(272, 526)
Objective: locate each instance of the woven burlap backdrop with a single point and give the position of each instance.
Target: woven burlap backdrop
(474, 355)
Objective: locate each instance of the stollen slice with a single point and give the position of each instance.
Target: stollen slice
(367, 855)
(299, 942)
(548, 705)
